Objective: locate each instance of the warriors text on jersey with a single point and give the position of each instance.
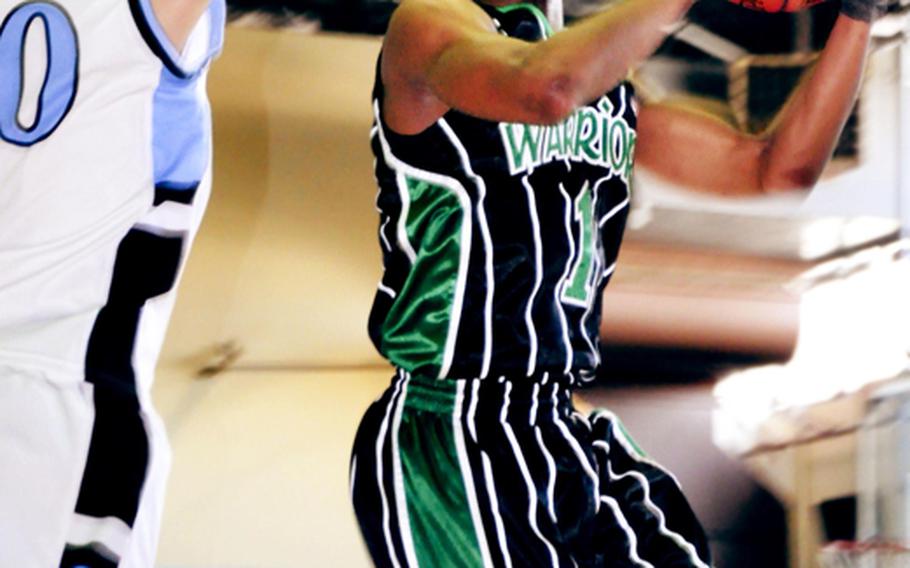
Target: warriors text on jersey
(105, 145)
(498, 238)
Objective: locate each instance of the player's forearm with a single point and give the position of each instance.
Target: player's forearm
(593, 56)
(803, 137)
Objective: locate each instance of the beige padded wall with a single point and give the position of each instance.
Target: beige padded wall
(287, 262)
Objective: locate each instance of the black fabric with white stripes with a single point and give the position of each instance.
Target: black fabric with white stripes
(526, 230)
(498, 240)
(553, 488)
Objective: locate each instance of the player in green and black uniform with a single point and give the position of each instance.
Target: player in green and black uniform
(503, 178)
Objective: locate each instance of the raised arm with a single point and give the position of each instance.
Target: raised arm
(703, 153)
(178, 18)
(442, 54)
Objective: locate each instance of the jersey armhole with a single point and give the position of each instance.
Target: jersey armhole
(202, 45)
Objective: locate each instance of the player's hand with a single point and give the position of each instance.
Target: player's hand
(863, 10)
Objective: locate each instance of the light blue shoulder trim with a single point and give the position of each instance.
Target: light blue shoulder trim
(161, 45)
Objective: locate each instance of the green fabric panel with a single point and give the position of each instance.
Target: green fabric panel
(442, 529)
(416, 329)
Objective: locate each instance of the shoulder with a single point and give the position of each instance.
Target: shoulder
(442, 13)
(420, 31)
(430, 25)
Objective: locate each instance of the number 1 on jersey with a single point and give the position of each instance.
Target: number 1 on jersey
(577, 290)
(58, 89)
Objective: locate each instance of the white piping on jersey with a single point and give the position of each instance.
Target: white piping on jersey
(622, 101)
(472, 409)
(598, 279)
(593, 284)
(662, 528)
(581, 418)
(388, 291)
(576, 447)
(383, 499)
(627, 445)
(459, 191)
(538, 275)
(534, 404)
(402, 227)
(401, 503)
(551, 475)
(385, 241)
(610, 270)
(543, 23)
(526, 475)
(584, 319)
(353, 476)
(382, 237)
(630, 534)
(487, 244)
(561, 283)
(467, 475)
(382, 226)
(677, 538)
(494, 508)
(612, 212)
(110, 533)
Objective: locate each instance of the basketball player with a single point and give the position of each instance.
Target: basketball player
(105, 146)
(503, 171)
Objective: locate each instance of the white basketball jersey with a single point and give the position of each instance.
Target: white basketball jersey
(105, 151)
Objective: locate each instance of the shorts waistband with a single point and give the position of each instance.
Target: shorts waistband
(437, 394)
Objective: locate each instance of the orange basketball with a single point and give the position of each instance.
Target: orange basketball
(772, 6)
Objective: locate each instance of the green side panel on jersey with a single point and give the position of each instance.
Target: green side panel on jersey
(538, 13)
(577, 287)
(442, 529)
(416, 329)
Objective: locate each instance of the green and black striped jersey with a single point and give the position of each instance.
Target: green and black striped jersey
(499, 238)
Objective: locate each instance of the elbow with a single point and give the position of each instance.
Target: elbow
(795, 177)
(781, 172)
(551, 99)
(547, 90)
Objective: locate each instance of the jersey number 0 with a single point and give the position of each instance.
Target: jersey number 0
(58, 90)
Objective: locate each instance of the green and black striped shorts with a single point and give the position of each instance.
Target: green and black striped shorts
(500, 472)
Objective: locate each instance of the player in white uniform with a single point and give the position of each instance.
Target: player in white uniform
(105, 151)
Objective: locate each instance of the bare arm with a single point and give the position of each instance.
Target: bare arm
(179, 17)
(703, 153)
(442, 54)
